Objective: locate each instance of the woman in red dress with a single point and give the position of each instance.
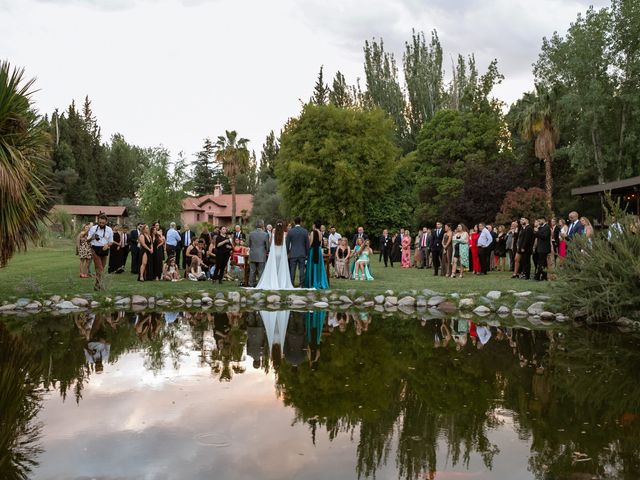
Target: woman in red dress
(473, 248)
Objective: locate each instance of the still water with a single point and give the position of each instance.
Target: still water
(314, 395)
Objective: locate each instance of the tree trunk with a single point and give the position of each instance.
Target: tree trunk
(548, 181)
(597, 154)
(621, 139)
(233, 201)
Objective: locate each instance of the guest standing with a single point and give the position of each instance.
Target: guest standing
(500, 250)
(316, 275)
(543, 248)
(145, 244)
(396, 249)
(406, 251)
(423, 245)
(223, 253)
(473, 247)
(334, 241)
(447, 250)
(186, 238)
(386, 244)
(158, 252)
(484, 248)
(460, 251)
(115, 255)
(84, 250)
(359, 235)
(135, 248)
(173, 240)
(562, 240)
(436, 247)
(100, 237)
(525, 248)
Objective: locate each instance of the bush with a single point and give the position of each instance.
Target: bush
(601, 278)
(530, 203)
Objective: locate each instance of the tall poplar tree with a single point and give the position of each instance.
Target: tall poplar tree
(270, 149)
(321, 90)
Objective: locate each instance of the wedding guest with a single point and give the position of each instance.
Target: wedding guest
(145, 244)
(157, 256)
(588, 229)
(510, 244)
(170, 271)
(334, 241)
(270, 231)
(436, 247)
(484, 248)
(417, 257)
(396, 249)
(173, 240)
(223, 252)
(500, 250)
(206, 237)
(473, 248)
(359, 235)
(100, 237)
(406, 251)
(562, 240)
(238, 235)
(362, 262)
(186, 240)
(180, 246)
(196, 273)
(525, 249)
(575, 226)
(543, 248)
(460, 251)
(492, 247)
(134, 248)
(83, 250)
(447, 249)
(115, 251)
(316, 275)
(193, 251)
(343, 252)
(423, 246)
(386, 242)
(614, 228)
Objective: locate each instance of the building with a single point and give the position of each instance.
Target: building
(215, 208)
(82, 213)
(626, 191)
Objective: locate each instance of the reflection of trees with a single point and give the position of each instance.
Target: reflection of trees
(20, 401)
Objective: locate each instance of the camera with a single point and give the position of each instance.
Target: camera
(96, 237)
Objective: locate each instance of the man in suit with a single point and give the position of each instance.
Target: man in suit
(258, 244)
(358, 235)
(297, 248)
(525, 248)
(180, 247)
(238, 235)
(385, 246)
(423, 245)
(575, 227)
(186, 237)
(542, 233)
(134, 248)
(435, 246)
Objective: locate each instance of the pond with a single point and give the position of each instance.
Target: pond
(314, 395)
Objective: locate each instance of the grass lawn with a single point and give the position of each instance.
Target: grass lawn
(54, 270)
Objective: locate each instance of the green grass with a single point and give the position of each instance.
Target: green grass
(54, 270)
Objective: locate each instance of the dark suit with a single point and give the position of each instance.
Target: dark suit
(239, 235)
(135, 250)
(385, 248)
(543, 248)
(364, 236)
(185, 239)
(525, 248)
(297, 248)
(435, 245)
(575, 229)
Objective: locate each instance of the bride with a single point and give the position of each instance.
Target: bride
(276, 272)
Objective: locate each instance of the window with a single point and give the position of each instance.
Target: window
(197, 217)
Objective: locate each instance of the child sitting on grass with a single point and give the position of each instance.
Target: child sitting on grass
(170, 271)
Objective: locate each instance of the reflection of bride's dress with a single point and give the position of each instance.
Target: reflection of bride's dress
(275, 323)
(276, 274)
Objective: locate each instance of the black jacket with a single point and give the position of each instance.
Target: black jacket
(544, 239)
(435, 242)
(525, 240)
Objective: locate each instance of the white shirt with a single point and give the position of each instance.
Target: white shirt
(485, 238)
(105, 236)
(173, 237)
(334, 238)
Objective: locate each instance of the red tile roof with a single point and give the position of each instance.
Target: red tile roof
(244, 201)
(93, 210)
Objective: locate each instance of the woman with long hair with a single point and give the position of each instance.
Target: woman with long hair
(588, 228)
(83, 250)
(362, 263)
(500, 251)
(460, 250)
(275, 275)
(316, 276)
(473, 248)
(447, 249)
(562, 243)
(406, 250)
(343, 252)
(145, 244)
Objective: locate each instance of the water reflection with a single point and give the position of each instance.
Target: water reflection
(415, 398)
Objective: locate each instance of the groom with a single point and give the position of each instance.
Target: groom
(258, 244)
(297, 248)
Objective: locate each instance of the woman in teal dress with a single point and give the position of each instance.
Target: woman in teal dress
(362, 263)
(316, 276)
(460, 250)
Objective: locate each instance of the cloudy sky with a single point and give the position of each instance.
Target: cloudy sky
(173, 72)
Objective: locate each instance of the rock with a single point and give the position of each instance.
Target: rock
(123, 301)
(547, 316)
(351, 292)
(543, 297)
(321, 305)
(297, 300)
(220, 302)
(66, 305)
(624, 322)
(178, 301)
(455, 295)
(481, 310)
(8, 307)
(467, 303)
(421, 301)
(390, 308)
(220, 296)
(273, 298)
(360, 299)
(152, 301)
(407, 309)
(368, 303)
(447, 307)
(522, 294)
(389, 292)
(494, 294)
(79, 302)
(561, 318)
(536, 308)
(429, 293)
(391, 300)
(410, 301)
(22, 302)
(163, 303)
(188, 301)
(503, 310)
(197, 302)
(206, 300)
(138, 300)
(55, 298)
(516, 312)
(35, 305)
(345, 299)
(47, 303)
(379, 299)
(234, 297)
(379, 308)
(435, 301)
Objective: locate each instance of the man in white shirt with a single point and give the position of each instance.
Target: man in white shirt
(173, 240)
(334, 241)
(484, 243)
(614, 228)
(100, 238)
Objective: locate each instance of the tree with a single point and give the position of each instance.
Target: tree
(332, 161)
(162, 188)
(232, 154)
(24, 154)
(530, 203)
(268, 203)
(123, 170)
(537, 122)
(248, 180)
(268, 156)
(340, 94)
(321, 90)
(203, 178)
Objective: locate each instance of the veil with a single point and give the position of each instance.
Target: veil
(276, 274)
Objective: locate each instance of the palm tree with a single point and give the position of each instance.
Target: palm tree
(24, 154)
(232, 153)
(537, 122)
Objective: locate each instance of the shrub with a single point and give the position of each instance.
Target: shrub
(601, 278)
(519, 203)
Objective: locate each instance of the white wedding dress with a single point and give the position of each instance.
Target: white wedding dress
(275, 323)
(276, 274)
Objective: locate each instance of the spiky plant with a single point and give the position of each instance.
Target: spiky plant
(24, 150)
(232, 154)
(537, 122)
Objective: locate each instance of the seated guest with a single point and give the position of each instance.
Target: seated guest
(362, 263)
(196, 273)
(343, 252)
(170, 271)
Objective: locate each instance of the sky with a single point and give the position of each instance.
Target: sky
(173, 72)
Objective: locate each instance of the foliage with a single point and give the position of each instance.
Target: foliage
(321, 90)
(232, 155)
(24, 150)
(267, 203)
(64, 219)
(530, 203)
(268, 157)
(248, 180)
(206, 173)
(160, 196)
(602, 277)
(330, 163)
(341, 94)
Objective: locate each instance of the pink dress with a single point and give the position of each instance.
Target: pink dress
(406, 252)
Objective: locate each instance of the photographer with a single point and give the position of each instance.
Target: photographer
(224, 245)
(100, 238)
